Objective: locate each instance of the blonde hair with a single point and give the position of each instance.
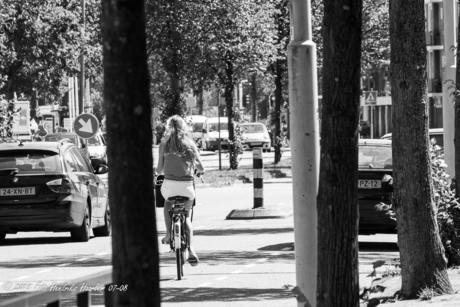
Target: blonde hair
(178, 140)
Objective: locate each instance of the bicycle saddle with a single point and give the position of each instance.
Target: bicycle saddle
(178, 198)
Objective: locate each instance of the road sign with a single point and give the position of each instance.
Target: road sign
(86, 125)
(370, 98)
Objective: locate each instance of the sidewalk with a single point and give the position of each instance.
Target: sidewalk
(393, 284)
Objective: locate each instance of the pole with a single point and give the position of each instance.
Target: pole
(81, 103)
(372, 122)
(258, 180)
(218, 128)
(303, 99)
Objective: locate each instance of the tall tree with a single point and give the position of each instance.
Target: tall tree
(41, 43)
(423, 263)
(338, 282)
(126, 95)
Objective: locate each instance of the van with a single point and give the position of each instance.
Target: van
(197, 126)
(210, 133)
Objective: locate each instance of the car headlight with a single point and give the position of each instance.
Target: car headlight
(265, 137)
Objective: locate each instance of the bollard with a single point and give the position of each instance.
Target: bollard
(258, 180)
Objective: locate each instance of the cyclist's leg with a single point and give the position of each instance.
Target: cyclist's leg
(168, 206)
(188, 223)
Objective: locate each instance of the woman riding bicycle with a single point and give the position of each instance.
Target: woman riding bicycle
(178, 159)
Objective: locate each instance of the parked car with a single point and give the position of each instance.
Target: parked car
(256, 135)
(374, 162)
(436, 133)
(210, 136)
(97, 146)
(51, 186)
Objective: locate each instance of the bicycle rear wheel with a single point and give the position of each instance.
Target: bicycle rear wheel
(179, 264)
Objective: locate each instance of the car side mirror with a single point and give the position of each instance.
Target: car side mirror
(83, 145)
(203, 130)
(101, 169)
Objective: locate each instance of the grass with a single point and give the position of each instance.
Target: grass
(228, 177)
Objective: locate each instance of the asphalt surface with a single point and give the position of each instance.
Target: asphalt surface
(242, 262)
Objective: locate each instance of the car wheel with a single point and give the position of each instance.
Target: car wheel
(81, 234)
(105, 230)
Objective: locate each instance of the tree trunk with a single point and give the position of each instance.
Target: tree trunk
(254, 97)
(338, 279)
(457, 121)
(278, 100)
(423, 263)
(127, 101)
(199, 99)
(229, 87)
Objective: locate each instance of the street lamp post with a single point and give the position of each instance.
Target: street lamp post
(82, 66)
(303, 100)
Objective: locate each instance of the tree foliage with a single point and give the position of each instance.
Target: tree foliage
(40, 44)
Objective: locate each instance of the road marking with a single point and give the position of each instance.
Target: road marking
(43, 271)
(262, 260)
(275, 254)
(205, 284)
(168, 298)
(63, 264)
(237, 272)
(282, 204)
(22, 277)
(199, 227)
(103, 253)
(249, 265)
(187, 291)
(286, 249)
(82, 259)
(222, 278)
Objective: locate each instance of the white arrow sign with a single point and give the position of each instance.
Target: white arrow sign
(86, 127)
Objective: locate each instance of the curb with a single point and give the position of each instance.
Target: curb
(258, 213)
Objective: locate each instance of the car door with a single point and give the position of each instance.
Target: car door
(86, 178)
(96, 185)
(72, 172)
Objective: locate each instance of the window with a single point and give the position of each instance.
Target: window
(70, 163)
(375, 156)
(82, 163)
(253, 129)
(30, 161)
(213, 126)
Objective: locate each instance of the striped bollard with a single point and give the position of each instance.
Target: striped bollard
(258, 180)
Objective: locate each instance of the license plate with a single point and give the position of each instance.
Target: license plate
(255, 144)
(17, 191)
(369, 184)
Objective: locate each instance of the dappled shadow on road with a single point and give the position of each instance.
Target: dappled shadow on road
(278, 247)
(203, 294)
(242, 231)
(378, 247)
(217, 257)
(56, 260)
(11, 240)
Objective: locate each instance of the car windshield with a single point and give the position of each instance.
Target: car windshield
(94, 141)
(253, 129)
(213, 126)
(375, 156)
(197, 127)
(30, 161)
(58, 137)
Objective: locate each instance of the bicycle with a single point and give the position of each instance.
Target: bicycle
(178, 241)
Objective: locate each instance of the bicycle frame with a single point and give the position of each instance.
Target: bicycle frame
(178, 242)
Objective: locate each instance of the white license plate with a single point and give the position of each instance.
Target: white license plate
(369, 184)
(255, 144)
(17, 191)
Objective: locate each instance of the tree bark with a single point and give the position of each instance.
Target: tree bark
(254, 97)
(229, 87)
(127, 101)
(457, 120)
(423, 263)
(338, 279)
(278, 100)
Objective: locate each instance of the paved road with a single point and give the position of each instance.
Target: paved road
(241, 261)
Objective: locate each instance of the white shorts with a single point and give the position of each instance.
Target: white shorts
(171, 188)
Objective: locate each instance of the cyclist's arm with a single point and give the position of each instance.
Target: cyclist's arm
(161, 161)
